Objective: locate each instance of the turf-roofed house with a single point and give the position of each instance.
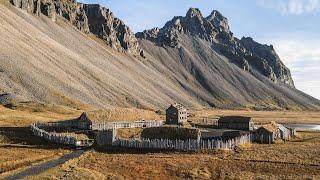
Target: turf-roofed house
(236, 122)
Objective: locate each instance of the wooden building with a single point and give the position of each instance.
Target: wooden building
(105, 137)
(285, 133)
(236, 122)
(99, 121)
(221, 134)
(176, 114)
(84, 121)
(267, 134)
(270, 132)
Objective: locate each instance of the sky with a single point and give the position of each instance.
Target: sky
(291, 26)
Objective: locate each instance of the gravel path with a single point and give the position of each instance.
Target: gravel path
(39, 168)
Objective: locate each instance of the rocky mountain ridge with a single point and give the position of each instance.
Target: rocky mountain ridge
(246, 53)
(54, 59)
(88, 18)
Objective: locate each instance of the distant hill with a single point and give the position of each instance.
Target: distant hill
(68, 53)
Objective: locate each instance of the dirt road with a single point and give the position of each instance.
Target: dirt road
(39, 168)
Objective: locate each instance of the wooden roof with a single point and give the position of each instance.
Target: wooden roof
(234, 119)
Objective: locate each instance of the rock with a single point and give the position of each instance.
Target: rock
(48, 9)
(81, 19)
(17, 3)
(280, 71)
(151, 35)
(37, 7)
(111, 29)
(219, 21)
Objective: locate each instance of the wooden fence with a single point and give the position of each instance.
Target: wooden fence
(118, 125)
(58, 138)
(190, 144)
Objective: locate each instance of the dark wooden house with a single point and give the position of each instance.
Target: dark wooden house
(84, 122)
(236, 122)
(267, 134)
(105, 137)
(176, 114)
(221, 134)
(88, 120)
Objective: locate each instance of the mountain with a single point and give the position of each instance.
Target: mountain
(214, 29)
(88, 19)
(73, 54)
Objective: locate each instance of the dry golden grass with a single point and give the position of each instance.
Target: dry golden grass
(123, 114)
(302, 150)
(12, 158)
(24, 116)
(296, 159)
(68, 169)
(129, 133)
(260, 116)
(65, 101)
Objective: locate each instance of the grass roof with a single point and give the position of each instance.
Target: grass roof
(121, 114)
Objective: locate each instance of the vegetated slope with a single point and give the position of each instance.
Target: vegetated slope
(68, 58)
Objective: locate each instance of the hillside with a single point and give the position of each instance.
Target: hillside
(76, 55)
(54, 62)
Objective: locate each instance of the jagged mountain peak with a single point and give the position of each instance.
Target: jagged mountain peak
(193, 23)
(245, 53)
(194, 12)
(218, 21)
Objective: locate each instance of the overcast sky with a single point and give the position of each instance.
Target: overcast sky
(292, 26)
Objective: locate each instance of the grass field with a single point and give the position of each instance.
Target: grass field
(15, 157)
(260, 116)
(297, 159)
(22, 117)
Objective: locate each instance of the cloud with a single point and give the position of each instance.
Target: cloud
(296, 7)
(302, 56)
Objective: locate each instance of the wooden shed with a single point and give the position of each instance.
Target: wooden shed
(236, 122)
(83, 122)
(267, 134)
(285, 133)
(221, 134)
(176, 114)
(105, 137)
